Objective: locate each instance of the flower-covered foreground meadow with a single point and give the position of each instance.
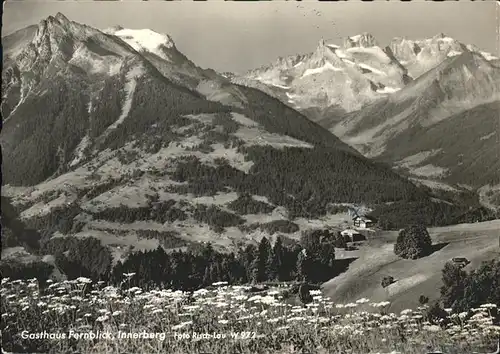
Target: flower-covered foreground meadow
(85, 317)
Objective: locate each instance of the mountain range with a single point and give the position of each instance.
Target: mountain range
(427, 107)
(117, 135)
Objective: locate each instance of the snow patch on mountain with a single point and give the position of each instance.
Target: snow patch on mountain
(291, 98)
(21, 101)
(372, 69)
(146, 40)
(486, 137)
(281, 86)
(327, 66)
(488, 56)
(341, 54)
(453, 53)
(348, 61)
(467, 73)
(388, 90)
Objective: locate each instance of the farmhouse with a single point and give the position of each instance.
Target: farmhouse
(362, 222)
(353, 235)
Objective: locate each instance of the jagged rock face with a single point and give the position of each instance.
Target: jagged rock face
(64, 47)
(422, 55)
(404, 49)
(58, 41)
(364, 40)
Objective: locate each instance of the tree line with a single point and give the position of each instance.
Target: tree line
(311, 260)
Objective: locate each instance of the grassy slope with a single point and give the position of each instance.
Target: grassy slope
(477, 242)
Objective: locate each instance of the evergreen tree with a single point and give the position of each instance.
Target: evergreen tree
(254, 271)
(311, 240)
(278, 267)
(304, 266)
(264, 257)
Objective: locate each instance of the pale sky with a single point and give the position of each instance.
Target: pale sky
(238, 36)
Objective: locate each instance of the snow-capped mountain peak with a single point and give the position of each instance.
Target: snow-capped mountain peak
(346, 77)
(360, 40)
(422, 55)
(57, 41)
(145, 39)
(361, 70)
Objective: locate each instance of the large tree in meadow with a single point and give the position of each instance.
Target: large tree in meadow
(413, 242)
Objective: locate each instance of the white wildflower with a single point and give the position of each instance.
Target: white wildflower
(83, 280)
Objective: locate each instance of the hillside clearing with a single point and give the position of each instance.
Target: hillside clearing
(477, 242)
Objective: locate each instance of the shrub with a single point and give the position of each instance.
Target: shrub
(387, 280)
(423, 299)
(413, 242)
